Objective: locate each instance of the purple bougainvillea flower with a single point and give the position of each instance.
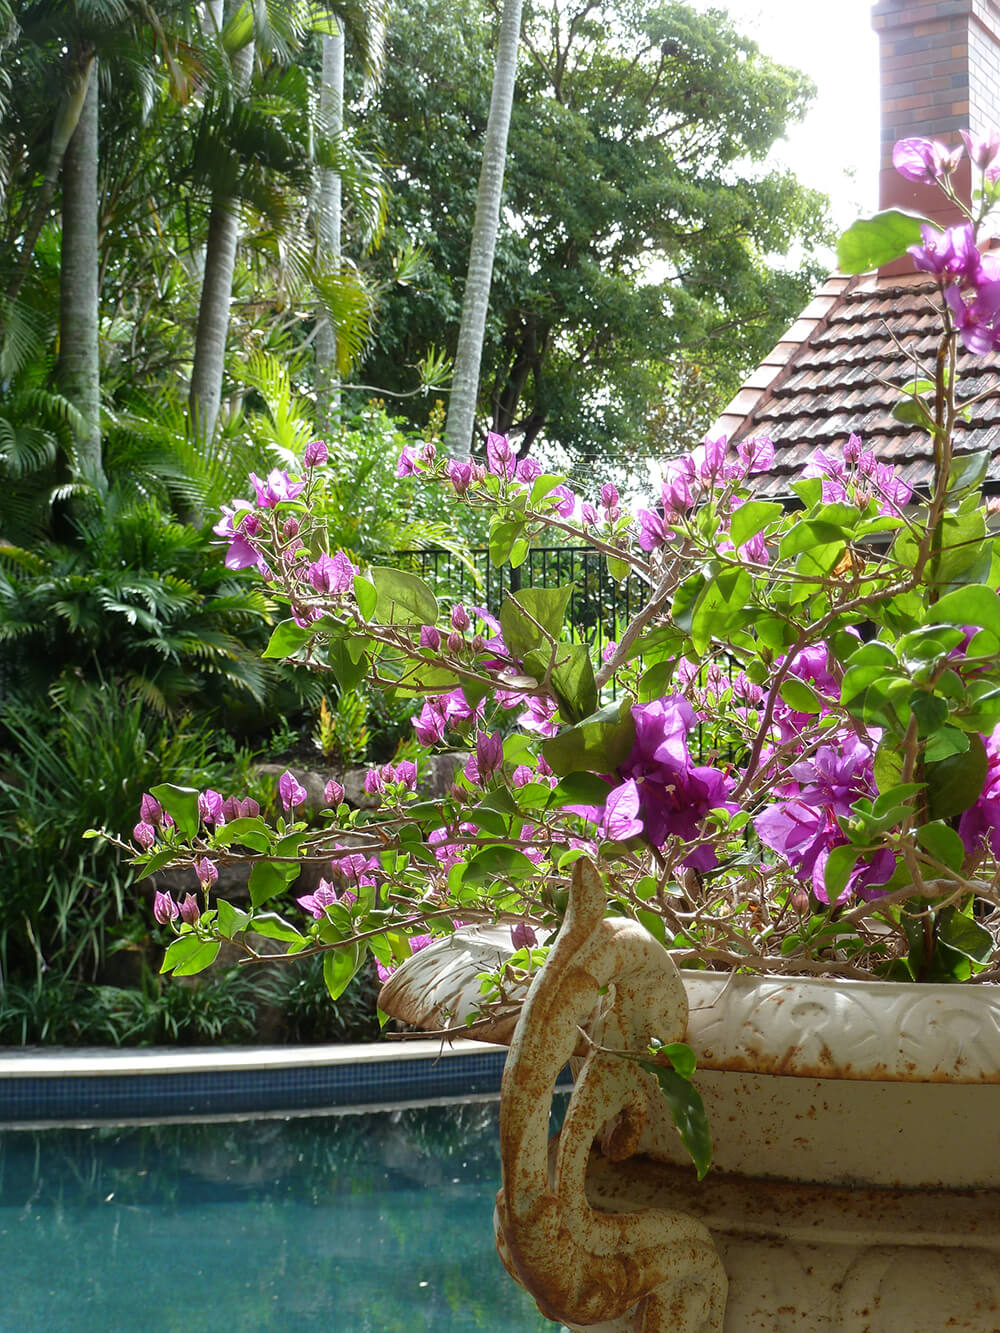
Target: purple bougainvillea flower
(566, 501)
(430, 638)
(924, 160)
(238, 526)
(317, 903)
(333, 793)
(982, 151)
(756, 455)
(188, 909)
(316, 454)
(621, 813)
(950, 253)
(460, 475)
(355, 869)
(449, 844)
(439, 712)
(374, 782)
(407, 463)
(290, 790)
(977, 320)
(276, 488)
(500, 457)
(234, 807)
(588, 515)
(145, 835)
(150, 810)
(210, 807)
(610, 498)
(460, 618)
(164, 908)
(489, 754)
(528, 470)
(207, 872)
(521, 776)
(677, 490)
(653, 532)
(332, 573)
(522, 936)
(539, 715)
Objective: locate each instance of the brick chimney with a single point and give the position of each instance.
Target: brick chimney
(939, 72)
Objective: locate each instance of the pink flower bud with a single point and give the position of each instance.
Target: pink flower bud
(316, 453)
(189, 909)
(291, 791)
(290, 527)
(455, 642)
(164, 908)
(407, 465)
(610, 498)
(145, 835)
(430, 638)
(478, 643)
(406, 773)
(489, 753)
(522, 936)
(521, 776)
(374, 783)
(234, 808)
(150, 810)
(460, 617)
(588, 515)
(428, 453)
(206, 871)
(528, 469)
(333, 794)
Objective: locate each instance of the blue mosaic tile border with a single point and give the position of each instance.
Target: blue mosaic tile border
(109, 1096)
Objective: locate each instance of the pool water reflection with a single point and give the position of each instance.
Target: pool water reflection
(349, 1223)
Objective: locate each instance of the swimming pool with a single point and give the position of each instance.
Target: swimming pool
(347, 1223)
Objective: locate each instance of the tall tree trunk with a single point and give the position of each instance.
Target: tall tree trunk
(329, 213)
(476, 297)
(67, 119)
(216, 293)
(79, 354)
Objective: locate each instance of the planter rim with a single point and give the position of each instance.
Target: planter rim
(826, 1027)
(804, 1027)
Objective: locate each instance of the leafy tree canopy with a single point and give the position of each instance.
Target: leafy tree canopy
(638, 252)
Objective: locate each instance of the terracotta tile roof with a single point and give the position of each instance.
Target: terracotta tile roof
(820, 384)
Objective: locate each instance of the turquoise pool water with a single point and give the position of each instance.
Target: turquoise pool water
(349, 1223)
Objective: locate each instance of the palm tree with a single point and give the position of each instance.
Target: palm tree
(476, 297)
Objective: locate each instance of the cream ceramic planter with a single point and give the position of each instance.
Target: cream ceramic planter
(856, 1176)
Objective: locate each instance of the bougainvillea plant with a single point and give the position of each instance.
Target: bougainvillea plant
(788, 760)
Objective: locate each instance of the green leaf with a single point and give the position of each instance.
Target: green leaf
(250, 831)
(719, 606)
(339, 967)
(366, 596)
(156, 862)
(800, 696)
(492, 863)
(688, 1111)
(955, 783)
(943, 843)
(230, 920)
(286, 639)
(751, 518)
(971, 605)
(181, 803)
(189, 955)
(275, 927)
(580, 789)
(521, 610)
(839, 867)
(503, 534)
(679, 1054)
(597, 744)
(618, 569)
(267, 879)
(957, 931)
(871, 242)
(402, 599)
(572, 678)
(913, 412)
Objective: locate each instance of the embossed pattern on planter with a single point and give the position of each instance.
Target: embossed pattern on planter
(814, 1027)
(647, 1271)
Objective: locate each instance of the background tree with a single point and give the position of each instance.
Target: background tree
(639, 226)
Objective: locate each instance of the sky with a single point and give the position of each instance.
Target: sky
(836, 148)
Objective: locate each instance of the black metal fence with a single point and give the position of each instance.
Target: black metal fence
(599, 608)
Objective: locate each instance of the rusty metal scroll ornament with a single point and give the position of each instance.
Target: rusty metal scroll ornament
(647, 1271)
